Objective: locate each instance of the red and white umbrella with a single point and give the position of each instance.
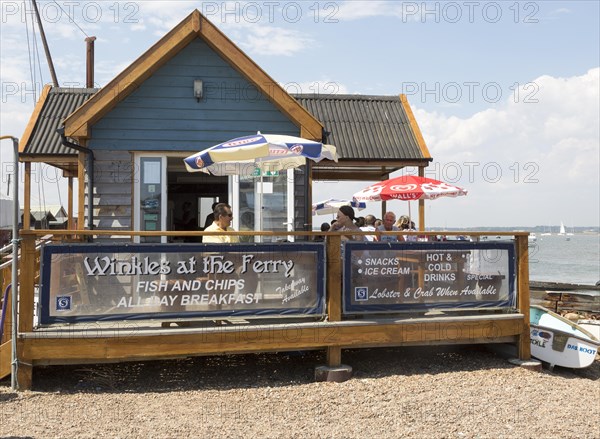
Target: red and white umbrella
(408, 188)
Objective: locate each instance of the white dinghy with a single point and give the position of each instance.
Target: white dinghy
(560, 342)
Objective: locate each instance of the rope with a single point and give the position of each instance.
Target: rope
(71, 19)
(31, 69)
(39, 63)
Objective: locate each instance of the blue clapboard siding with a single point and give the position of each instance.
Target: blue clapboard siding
(112, 191)
(162, 114)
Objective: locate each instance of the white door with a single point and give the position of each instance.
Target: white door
(264, 203)
(150, 195)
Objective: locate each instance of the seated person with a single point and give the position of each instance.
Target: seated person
(369, 227)
(223, 216)
(345, 223)
(324, 228)
(388, 226)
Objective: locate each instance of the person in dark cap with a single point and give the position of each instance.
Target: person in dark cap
(324, 228)
(345, 223)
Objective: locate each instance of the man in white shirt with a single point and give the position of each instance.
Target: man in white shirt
(369, 227)
(388, 226)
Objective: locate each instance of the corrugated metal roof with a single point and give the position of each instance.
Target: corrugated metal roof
(60, 102)
(361, 127)
(365, 127)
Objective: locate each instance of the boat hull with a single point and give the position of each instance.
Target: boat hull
(559, 342)
(591, 326)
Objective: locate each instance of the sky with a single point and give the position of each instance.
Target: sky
(507, 94)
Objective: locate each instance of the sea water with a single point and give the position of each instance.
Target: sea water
(570, 259)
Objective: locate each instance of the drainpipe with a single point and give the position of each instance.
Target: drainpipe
(90, 154)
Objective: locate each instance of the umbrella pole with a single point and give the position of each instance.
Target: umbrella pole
(260, 207)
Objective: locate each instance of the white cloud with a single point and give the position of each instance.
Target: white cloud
(356, 10)
(274, 41)
(523, 163)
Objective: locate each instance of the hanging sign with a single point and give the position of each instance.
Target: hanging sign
(87, 282)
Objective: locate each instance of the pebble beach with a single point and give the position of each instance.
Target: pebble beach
(415, 392)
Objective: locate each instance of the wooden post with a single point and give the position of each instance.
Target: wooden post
(26, 304)
(334, 293)
(27, 198)
(421, 205)
(70, 205)
(81, 190)
(5, 353)
(523, 294)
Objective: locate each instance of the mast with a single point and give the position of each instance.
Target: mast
(45, 43)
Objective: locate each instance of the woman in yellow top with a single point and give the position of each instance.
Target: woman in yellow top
(223, 216)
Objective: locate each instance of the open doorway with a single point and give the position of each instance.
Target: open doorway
(190, 197)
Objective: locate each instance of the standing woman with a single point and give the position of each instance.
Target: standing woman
(345, 223)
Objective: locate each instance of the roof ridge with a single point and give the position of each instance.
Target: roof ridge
(347, 96)
(73, 90)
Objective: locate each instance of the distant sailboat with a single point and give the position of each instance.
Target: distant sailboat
(562, 231)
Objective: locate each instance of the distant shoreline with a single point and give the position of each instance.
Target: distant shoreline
(561, 286)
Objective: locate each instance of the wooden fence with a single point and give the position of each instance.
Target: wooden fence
(85, 343)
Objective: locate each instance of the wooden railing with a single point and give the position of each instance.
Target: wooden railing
(5, 339)
(334, 334)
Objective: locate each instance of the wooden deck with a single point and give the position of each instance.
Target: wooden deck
(132, 341)
(116, 341)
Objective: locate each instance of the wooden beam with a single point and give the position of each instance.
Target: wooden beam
(5, 281)
(356, 174)
(421, 204)
(81, 191)
(135, 345)
(334, 278)
(309, 190)
(61, 232)
(27, 274)
(27, 198)
(5, 359)
(391, 165)
(70, 222)
(78, 124)
(34, 118)
(522, 246)
(415, 127)
(49, 159)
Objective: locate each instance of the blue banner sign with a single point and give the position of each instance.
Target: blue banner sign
(93, 282)
(384, 277)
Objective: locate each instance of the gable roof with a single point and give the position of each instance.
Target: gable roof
(379, 134)
(54, 105)
(78, 125)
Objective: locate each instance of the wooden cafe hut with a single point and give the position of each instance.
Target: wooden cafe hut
(125, 142)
